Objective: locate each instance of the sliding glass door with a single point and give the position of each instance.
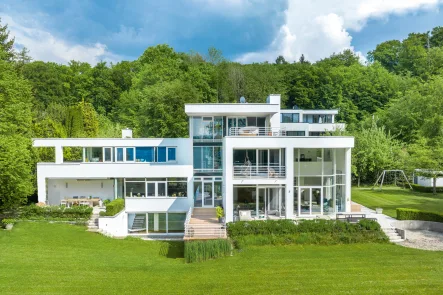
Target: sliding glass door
(311, 200)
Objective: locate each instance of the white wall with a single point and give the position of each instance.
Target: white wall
(135, 205)
(424, 181)
(107, 170)
(116, 226)
(57, 189)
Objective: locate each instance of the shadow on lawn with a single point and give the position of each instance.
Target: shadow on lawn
(172, 249)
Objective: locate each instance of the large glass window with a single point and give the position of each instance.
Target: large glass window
(129, 154)
(177, 188)
(295, 133)
(289, 118)
(145, 154)
(207, 158)
(119, 154)
(198, 194)
(176, 222)
(218, 194)
(171, 154)
(136, 223)
(157, 223)
(135, 189)
(94, 154)
(161, 154)
(108, 154)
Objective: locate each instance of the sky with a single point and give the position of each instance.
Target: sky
(244, 30)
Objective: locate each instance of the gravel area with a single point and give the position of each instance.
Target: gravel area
(424, 239)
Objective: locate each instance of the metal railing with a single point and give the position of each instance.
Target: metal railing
(254, 171)
(257, 131)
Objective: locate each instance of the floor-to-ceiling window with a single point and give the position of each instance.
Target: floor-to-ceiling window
(208, 191)
(258, 201)
(156, 223)
(319, 181)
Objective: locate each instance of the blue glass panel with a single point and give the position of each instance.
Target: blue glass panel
(161, 154)
(129, 154)
(145, 154)
(197, 157)
(171, 154)
(120, 154)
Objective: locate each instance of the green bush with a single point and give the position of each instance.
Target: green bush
(287, 226)
(197, 251)
(8, 221)
(34, 212)
(414, 214)
(323, 232)
(426, 189)
(365, 236)
(114, 207)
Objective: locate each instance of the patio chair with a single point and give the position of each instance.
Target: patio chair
(245, 215)
(64, 203)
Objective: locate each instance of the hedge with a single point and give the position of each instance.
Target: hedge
(287, 226)
(426, 189)
(197, 251)
(114, 207)
(34, 212)
(414, 214)
(321, 232)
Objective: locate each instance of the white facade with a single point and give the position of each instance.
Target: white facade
(244, 157)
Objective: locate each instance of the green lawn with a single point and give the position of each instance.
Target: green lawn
(391, 198)
(43, 258)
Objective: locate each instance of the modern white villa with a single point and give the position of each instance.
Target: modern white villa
(253, 159)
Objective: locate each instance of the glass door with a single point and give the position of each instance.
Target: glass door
(261, 203)
(311, 201)
(208, 196)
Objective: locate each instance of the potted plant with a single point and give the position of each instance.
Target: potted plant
(220, 214)
(8, 223)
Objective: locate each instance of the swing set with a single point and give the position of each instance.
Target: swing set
(395, 177)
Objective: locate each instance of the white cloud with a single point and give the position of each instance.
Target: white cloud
(45, 46)
(319, 28)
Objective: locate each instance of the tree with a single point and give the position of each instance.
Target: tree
(374, 151)
(16, 160)
(280, 60)
(215, 56)
(387, 54)
(427, 159)
(22, 57)
(7, 52)
(436, 39)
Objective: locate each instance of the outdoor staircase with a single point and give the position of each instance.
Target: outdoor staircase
(93, 221)
(393, 235)
(139, 223)
(204, 225)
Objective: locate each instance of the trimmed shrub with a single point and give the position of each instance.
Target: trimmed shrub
(287, 226)
(426, 189)
(414, 214)
(114, 207)
(322, 232)
(197, 251)
(34, 212)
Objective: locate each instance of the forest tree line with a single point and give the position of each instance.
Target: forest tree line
(393, 104)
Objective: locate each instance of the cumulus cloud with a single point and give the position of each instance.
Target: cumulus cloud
(319, 28)
(45, 46)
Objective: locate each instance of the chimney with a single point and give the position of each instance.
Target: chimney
(273, 99)
(127, 133)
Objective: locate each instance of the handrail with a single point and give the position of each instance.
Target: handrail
(259, 171)
(257, 131)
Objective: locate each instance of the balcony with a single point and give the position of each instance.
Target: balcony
(257, 131)
(258, 172)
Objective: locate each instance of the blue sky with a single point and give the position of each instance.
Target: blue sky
(245, 30)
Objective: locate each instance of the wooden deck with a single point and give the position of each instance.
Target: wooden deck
(204, 225)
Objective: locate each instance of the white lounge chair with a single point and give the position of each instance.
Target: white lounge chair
(245, 215)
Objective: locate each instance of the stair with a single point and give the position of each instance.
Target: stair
(204, 225)
(93, 221)
(393, 235)
(139, 223)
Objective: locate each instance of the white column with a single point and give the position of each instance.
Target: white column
(41, 188)
(289, 187)
(227, 176)
(58, 154)
(348, 179)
